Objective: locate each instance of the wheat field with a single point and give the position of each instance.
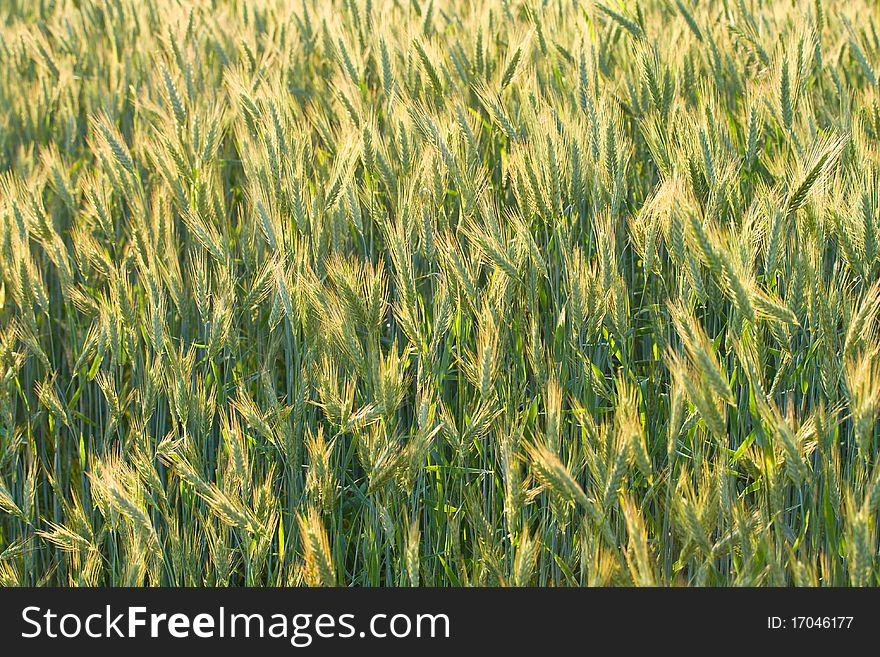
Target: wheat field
(439, 293)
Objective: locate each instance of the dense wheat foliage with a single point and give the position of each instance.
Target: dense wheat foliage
(433, 292)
